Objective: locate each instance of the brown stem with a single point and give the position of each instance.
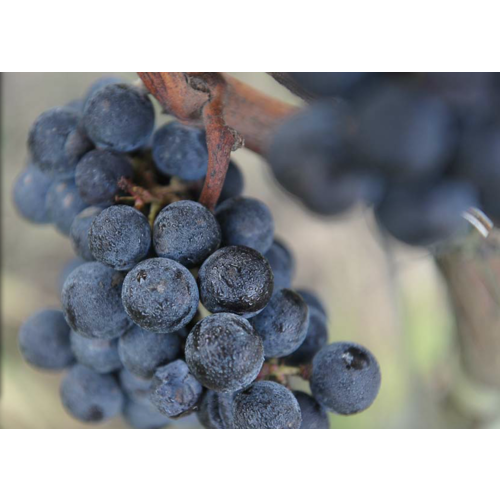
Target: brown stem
(151, 194)
(251, 113)
(274, 370)
(221, 140)
(176, 96)
(230, 111)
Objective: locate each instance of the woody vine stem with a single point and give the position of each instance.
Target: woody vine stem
(233, 114)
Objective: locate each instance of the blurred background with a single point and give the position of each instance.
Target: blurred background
(387, 297)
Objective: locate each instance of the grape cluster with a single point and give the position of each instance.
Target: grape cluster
(421, 148)
(131, 331)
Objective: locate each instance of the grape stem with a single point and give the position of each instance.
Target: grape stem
(231, 112)
(274, 370)
(221, 140)
(155, 195)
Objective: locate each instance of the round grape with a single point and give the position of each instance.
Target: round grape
(174, 390)
(79, 232)
(92, 305)
(119, 117)
(64, 204)
(57, 143)
(142, 352)
(236, 279)
(160, 295)
(186, 232)
(97, 176)
(266, 405)
(100, 355)
(30, 195)
(247, 222)
(44, 340)
(345, 378)
(120, 237)
(91, 396)
(283, 324)
(180, 151)
(224, 353)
